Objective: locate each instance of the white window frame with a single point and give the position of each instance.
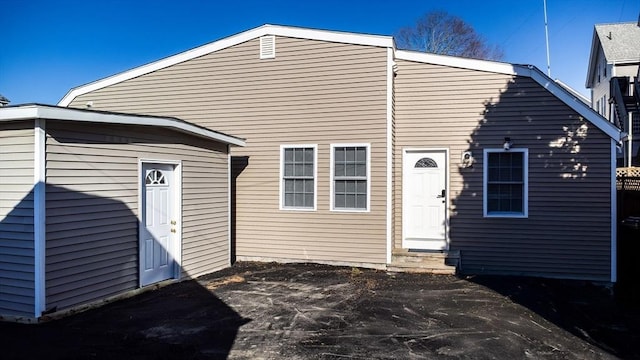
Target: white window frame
(367, 146)
(315, 177)
(525, 185)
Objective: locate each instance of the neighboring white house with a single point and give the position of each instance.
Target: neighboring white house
(613, 77)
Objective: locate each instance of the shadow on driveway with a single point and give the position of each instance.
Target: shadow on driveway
(308, 311)
(587, 311)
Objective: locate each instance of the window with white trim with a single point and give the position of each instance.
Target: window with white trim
(350, 177)
(298, 173)
(505, 183)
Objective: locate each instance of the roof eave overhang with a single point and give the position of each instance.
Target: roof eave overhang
(29, 112)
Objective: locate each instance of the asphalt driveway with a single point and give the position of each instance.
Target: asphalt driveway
(306, 311)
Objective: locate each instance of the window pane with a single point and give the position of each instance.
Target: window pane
(350, 201)
(288, 185)
(350, 154)
(361, 187)
(339, 155)
(361, 170)
(308, 170)
(351, 187)
(339, 201)
(361, 201)
(288, 199)
(361, 154)
(339, 170)
(339, 187)
(288, 170)
(308, 155)
(308, 186)
(299, 186)
(288, 155)
(350, 170)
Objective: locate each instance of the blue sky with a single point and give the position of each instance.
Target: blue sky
(49, 47)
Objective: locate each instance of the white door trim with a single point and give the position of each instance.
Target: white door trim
(176, 249)
(415, 244)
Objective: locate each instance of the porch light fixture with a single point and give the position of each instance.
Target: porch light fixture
(507, 144)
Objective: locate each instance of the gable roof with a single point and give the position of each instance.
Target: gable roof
(359, 39)
(38, 111)
(556, 88)
(286, 31)
(620, 43)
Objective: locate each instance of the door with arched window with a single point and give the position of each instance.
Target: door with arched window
(158, 229)
(424, 199)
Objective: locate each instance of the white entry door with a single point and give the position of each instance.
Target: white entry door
(424, 199)
(158, 229)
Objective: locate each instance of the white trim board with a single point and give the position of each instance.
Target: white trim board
(293, 32)
(26, 112)
(39, 216)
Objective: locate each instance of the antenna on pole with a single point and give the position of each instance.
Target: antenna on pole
(546, 33)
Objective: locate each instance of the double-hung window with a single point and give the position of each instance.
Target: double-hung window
(350, 185)
(298, 177)
(505, 183)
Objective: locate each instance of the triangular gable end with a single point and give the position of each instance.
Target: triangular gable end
(529, 71)
(277, 30)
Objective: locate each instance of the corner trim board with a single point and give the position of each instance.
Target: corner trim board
(390, 150)
(39, 215)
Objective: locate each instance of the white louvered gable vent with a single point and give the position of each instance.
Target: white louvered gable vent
(268, 47)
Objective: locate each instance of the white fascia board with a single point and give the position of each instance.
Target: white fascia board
(301, 33)
(69, 114)
(458, 62)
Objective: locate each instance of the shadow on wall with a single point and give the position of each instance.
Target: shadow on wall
(238, 164)
(566, 232)
(92, 252)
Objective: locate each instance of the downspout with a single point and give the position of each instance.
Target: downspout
(39, 213)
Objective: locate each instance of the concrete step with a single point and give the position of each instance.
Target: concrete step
(434, 262)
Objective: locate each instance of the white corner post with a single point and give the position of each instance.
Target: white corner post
(614, 215)
(39, 208)
(389, 179)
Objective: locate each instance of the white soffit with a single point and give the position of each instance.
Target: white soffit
(293, 32)
(27, 112)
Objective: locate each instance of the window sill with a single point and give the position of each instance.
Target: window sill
(506, 215)
(297, 209)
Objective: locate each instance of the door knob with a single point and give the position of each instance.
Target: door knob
(442, 194)
(173, 222)
(173, 231)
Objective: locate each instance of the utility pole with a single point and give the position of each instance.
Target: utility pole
(546, 32)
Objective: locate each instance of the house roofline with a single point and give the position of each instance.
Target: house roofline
(595, 46)
(278, 30)
(50, 112)
(530, 71)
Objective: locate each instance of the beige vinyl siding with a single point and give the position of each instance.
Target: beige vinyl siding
(567, 232)
(92, 206)
(16, 219)
(313, 92)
